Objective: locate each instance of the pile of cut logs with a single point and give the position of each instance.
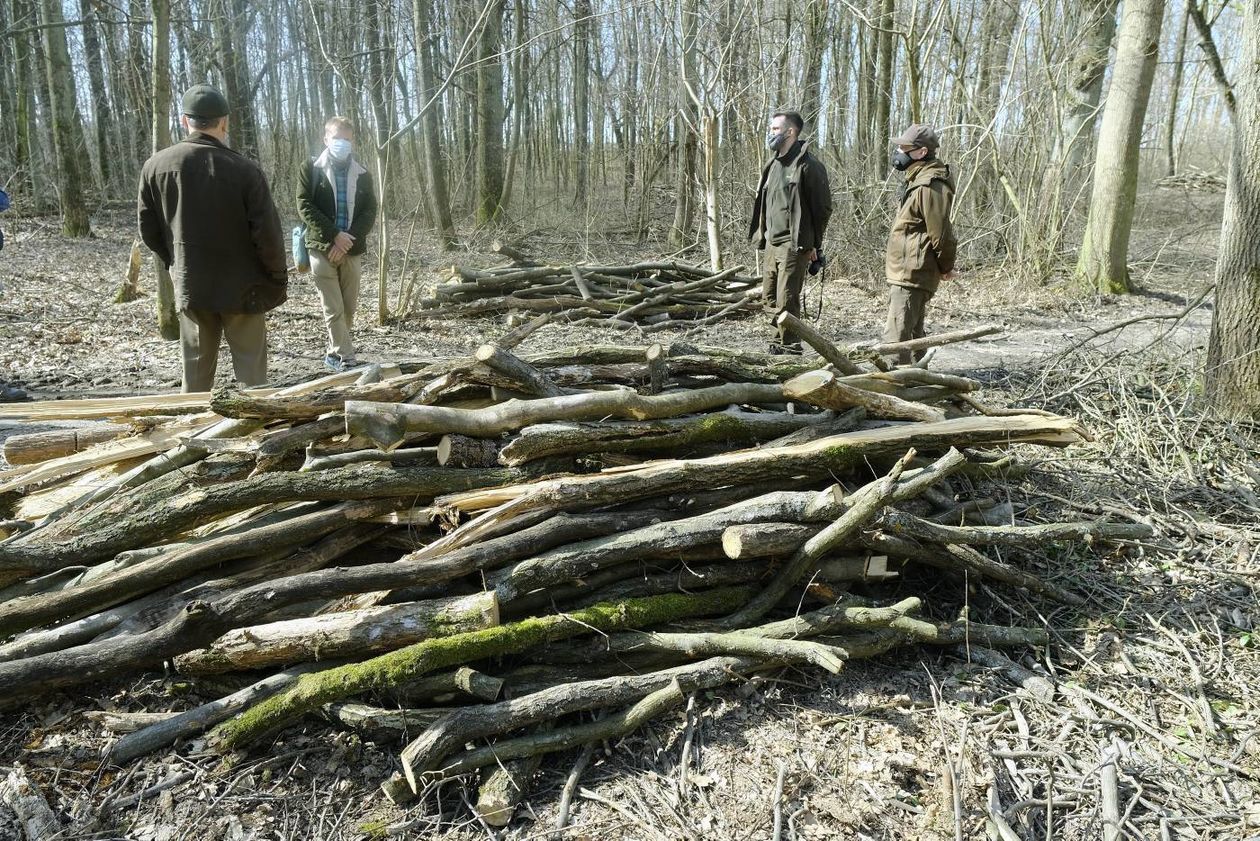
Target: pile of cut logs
(650, 295)
(520, 542)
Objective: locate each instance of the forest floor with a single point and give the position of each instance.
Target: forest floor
(1155, 676)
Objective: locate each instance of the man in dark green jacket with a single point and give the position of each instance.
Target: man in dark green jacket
(921, 245)
(206, 212)
(789, 218)
(337, 204)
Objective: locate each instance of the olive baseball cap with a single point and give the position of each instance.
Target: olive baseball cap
(919, 134)
(205, 102)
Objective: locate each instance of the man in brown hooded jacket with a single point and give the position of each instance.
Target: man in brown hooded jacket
(206, 212)
(789, 218)
(921, 246)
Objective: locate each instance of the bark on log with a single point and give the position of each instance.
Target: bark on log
(275, 444)
(610, 726)
(443, 688)
(661, 540)
(42, 446)
(234, 403)
(388, 424)
(827, 456)
(381, 724)
(658, 369)
(512, 338)
(462, 451)
(824, 389)
(341, 635)
(411, 662)
(416, 456)
(818, 342)
(671, 435)
(155, 512)
(907, 525)
(520, 374)
(147, 576)
(934, 340)
(199, 719)
(36, 819)
(765, 540)
(504, 788)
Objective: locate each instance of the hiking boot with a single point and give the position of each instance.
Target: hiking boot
(12, 394)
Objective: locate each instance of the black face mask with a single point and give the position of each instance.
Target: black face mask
(901, 160)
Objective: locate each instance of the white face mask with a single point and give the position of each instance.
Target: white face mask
(340, 148)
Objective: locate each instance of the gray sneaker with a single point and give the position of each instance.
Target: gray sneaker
(334, 363)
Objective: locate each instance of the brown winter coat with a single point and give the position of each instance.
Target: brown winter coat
(206, 212)
(921, 245)
(809, 193)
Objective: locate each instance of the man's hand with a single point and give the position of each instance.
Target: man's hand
(336, 254)
(343, 241)
(811, 256)
(950, 275)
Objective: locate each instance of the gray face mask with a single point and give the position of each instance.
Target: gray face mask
(774, 140)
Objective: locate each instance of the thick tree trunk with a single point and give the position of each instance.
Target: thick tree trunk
(430, 124)
(490, 114)
(1233, 361)
(1103, 263)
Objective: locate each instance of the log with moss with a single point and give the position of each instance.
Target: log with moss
(406, 664)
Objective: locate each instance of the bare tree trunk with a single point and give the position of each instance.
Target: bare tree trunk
(1233, 362)
(65, 116)
(101, 116)
(24, 104)
(883, 87)
(817, 36)
(520, 39)
(686, 124)
(581, 96)
(1088, 67)
(430, 123)
(1174, 93)
(490, 115)
(1104, 249)
(231, 28)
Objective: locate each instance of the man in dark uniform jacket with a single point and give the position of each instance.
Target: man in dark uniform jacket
(789, 218)
(206, 212)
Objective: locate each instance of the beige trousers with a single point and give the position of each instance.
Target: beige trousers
(199, 334)
(339, 293)
(783, 270)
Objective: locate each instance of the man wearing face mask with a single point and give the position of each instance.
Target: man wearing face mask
(789, 218)
(337, 204)
(206, 212)
(921, 247)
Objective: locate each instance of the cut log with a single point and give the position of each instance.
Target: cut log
(903, 524)
(520, 374)
(504, 788)
(442, 688)
(381, 724)
(42, 446)
(408, 663)
(816, 340)
(388, 424)
(462, 451)
(765, 540)
(280, 442)
(824, 389)
(419, 456)
(934, 340)
(36, 820)
(658, 369)
(341, 635)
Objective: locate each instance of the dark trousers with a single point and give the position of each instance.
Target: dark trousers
(783, 270)
(907, 306)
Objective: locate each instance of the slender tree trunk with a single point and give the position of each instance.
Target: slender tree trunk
(1233, 361)
(140, 114)
(101, 112)
(24, 101)
(430, 125)
(817, 36)
(883, 87)
(1104, 249)
(65, 115)
(581, 96)
(686, 124)
(489, 145)
(232, 34)
(520, 43)
(1174, 93)
(1088, 68)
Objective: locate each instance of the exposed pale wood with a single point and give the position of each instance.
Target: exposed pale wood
(42, 446)
(824, 389)
(125, 722)
(35, 818)
(523, 376)
(934, 340)
(382, 724)
(658, 369)
(765, 540)
(504, 787)
(235, 403)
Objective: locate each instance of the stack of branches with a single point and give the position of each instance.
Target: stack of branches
(1193, 179)
(647, 295)
(519, 544)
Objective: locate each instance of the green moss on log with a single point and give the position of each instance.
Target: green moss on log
(406, 664)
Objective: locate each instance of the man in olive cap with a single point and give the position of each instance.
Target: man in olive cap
(921, 245)
(206, 212)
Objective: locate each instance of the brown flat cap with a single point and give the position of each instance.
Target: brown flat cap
(919, 134)
(205, 102)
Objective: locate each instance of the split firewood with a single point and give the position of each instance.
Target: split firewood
(42, 446)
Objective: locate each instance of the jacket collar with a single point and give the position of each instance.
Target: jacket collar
(325, 162)
(924, 172)
(203, 139)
